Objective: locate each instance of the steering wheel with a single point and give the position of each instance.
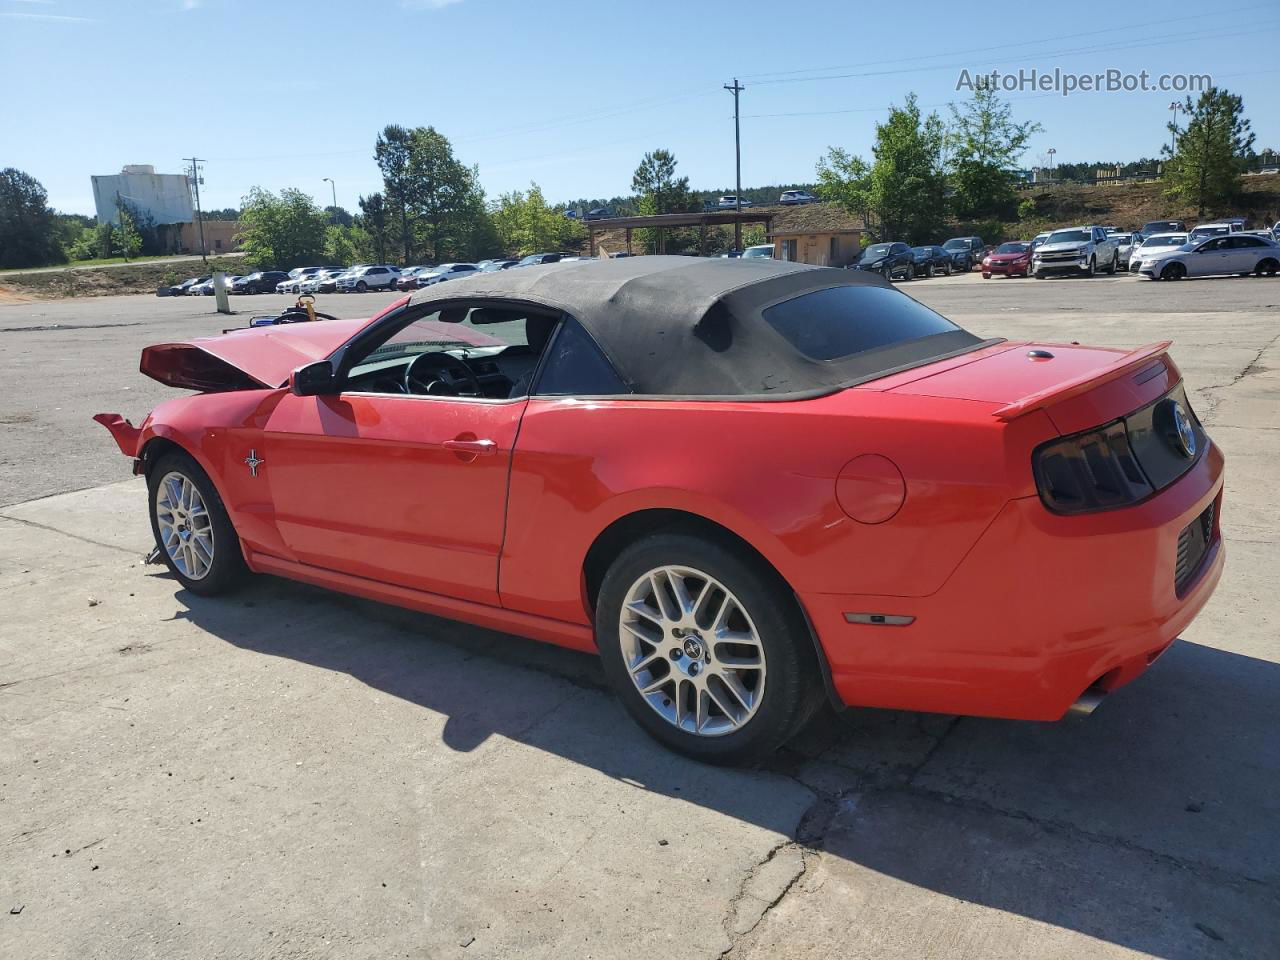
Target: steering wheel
(440, 374)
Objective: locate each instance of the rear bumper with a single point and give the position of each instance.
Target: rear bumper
(1042, 608)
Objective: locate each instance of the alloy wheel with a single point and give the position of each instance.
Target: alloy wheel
(186, 529)
(692, 651)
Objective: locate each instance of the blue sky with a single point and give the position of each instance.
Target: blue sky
(570, 94)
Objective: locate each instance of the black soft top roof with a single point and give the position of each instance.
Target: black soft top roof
(690, 326)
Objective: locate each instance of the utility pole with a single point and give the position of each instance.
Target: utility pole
(1174, 107)
(736, 89)
(195, 182)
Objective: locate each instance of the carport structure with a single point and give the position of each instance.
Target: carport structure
(663, 221)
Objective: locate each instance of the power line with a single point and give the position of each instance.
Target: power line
(1104, 48)
(1001, 46)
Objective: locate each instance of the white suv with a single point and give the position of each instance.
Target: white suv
(369, 278)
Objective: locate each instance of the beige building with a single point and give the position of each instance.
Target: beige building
(219, 236)
(818, 233)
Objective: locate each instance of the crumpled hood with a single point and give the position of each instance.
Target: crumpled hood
(247, 359)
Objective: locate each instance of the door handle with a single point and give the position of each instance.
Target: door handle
(473, 447)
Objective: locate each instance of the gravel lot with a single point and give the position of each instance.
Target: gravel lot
(293, 774)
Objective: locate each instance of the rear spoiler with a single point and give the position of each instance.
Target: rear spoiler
(1124, 364)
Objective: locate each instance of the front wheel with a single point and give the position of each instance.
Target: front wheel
(1090, 270)
(196, 539)
(705, 648)
(948, 269)
(1173, 271)
(361, 286)
(910, 273)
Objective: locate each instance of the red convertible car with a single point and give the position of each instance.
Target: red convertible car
(746, 484)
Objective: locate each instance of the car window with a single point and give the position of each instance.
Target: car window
(1012, 248)
(842, 321)
(1242, 242)
(575, 367)
(1069, 236)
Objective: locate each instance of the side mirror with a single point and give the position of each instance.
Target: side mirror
(313, 380)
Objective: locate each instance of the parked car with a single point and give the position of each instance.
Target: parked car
(536, 258)
(966, 252)
(1202, 231)
(889, 260)
(264, 281)
(290, 283)
(1008, 260)
(1275, 231)
(490, 266)
(1125, 243)
(446, 271)
(758, 251)
(1153, 246)
(931, 260)
(1039, 240)
(408, 279)
(184, 288)
(791, 198)
(202, 288)
(326, 281)
(206, 288)
(1081, 250)
(1162, 226)
(1041, 531)
(378, 277)
(1240, 253)
(732, 203)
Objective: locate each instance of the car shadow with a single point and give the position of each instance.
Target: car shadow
(1150, 825)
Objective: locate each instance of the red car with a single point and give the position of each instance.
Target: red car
(1009, 259)
(746, 484)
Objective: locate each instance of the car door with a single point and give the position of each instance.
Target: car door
(403, 489)
(1211, 257)
(1244, 253)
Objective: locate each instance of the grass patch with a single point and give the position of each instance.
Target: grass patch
(112, 280)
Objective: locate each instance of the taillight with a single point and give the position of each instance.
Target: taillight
(1090, 471)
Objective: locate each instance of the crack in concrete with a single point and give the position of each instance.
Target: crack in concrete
(73, 536)
(1249, 369)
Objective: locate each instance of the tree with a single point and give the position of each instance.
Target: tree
(353, 244)
(659, 190)
(373, 218)
(281, 231)
(525, 224)
(28, 235)
(656, 184)
(986, 145)
(437, 198)
(339, 216)
(128, 238)
(902, 196)
(1211, 152)
(392, 155)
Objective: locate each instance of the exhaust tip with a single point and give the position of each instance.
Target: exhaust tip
(1087, 703)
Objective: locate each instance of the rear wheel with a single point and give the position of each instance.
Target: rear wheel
(706, 650)
(1267, 267)
(1115, 261)
(1173, 271)
(196, 539)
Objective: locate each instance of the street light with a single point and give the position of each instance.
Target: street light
(333, 187)
(1052, 153)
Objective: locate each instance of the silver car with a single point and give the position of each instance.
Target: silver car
(1233, 253)
(1153, 246)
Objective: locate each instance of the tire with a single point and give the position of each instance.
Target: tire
(686, 669)
(911, 272)
(1092, 268)
(928, 272)
(986, 276)
(948, 269)
(1115, 260)
(1173, 271)
(361, 286)
(205, 572)
(1039, 274)
(1267, 267)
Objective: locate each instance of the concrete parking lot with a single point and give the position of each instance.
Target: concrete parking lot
(289, 773)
